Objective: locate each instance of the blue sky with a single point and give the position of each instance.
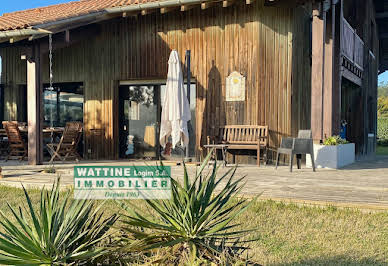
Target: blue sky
(383, 77)
(15, 5)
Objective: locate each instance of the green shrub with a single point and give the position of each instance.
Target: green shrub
(334, 141)
(62, 231)
(382, 131)
(195, 224)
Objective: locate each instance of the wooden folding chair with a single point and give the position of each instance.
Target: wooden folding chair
(67, 146)
(16, 144)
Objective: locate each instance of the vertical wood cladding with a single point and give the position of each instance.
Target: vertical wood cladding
(268, 45)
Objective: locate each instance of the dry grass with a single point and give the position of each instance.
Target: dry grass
(288, 234)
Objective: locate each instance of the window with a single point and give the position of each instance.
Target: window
(63, 104)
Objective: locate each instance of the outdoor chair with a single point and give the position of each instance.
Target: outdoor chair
(68, 144)
(16, 144)
(303, 144)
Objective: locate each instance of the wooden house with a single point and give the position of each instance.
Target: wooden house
(307, 64)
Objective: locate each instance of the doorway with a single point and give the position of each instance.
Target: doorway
(140, 111)
(139, 120)
(352, 113)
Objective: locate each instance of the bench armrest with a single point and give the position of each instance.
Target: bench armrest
(262, 139)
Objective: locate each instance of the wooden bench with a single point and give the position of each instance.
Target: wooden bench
(240, 137)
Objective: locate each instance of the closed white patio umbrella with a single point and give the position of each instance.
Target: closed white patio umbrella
(175, 106)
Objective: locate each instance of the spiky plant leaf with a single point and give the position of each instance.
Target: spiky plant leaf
(197, 219)
(61, 231)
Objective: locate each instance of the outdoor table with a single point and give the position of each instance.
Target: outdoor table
(222, 147)
(24, 130)
(56, 131)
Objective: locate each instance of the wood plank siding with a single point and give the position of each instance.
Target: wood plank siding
(270, 46)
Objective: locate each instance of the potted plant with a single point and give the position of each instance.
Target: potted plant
(333, 153)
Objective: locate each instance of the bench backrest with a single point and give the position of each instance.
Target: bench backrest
(242, 134)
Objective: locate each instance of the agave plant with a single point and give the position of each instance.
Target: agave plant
(60, 232)
(196, 223)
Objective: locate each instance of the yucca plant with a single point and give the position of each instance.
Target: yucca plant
(62, 231)
(196, 224)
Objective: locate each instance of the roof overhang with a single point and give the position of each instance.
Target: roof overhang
(42, 30)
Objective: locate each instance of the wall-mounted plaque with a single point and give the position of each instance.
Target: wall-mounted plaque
(235, 87)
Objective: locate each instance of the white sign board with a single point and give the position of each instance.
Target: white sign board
(235, 87)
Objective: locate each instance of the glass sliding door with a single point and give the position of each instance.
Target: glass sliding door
(139, 121)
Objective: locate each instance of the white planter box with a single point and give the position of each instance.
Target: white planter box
(333, 157)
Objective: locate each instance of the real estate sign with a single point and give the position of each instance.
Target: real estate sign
(122, 182)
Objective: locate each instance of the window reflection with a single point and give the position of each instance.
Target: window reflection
(63, 104)
(139, 120)
(140, 110)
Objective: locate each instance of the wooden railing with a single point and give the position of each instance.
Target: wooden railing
(352, 47)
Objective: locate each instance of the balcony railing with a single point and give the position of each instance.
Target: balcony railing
(352, 47)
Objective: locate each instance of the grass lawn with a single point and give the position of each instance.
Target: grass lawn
(382, 150)
(293, 235)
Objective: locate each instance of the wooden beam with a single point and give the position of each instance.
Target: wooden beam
(17, 39)
(59, 39)
(206, 5)
(67, 36)
(187, 7)
(346, 73)
(34, 107)
(317, 72)
(337, 62)
(329, 77)
(147, 11)
(227, 3)
(164, 10)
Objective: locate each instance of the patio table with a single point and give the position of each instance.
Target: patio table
(222, 147)
(24, 130)
(56, 131)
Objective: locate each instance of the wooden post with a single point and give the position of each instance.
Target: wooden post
(318, 71)
(332, 76)
(328, 97)
(337, 63)
(34, 107)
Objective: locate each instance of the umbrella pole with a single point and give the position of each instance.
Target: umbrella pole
(188, 69)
